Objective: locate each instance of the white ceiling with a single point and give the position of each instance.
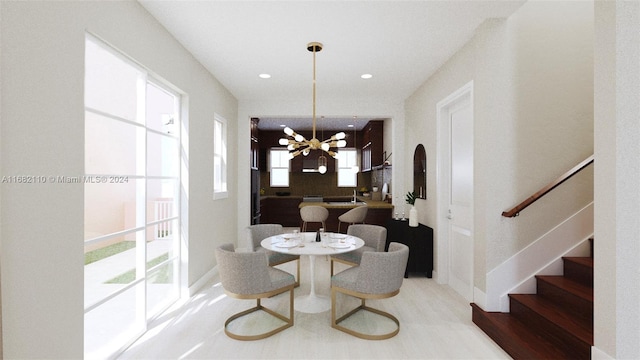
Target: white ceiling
(401, 43)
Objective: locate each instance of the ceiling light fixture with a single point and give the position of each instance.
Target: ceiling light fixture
(298, 144)
(264, 76)
(366, 76)
(322, 164)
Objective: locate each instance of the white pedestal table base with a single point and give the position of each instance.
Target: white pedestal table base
(312, 303)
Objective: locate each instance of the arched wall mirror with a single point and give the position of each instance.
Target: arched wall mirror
(420, 172)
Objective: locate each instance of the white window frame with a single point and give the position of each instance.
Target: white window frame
(271, 167)
(346, 169)
(220, 188)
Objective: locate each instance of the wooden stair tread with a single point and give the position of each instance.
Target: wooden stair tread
(586, 261)
(574, 287)
(521, 342)
(556, 315)
(556, 323)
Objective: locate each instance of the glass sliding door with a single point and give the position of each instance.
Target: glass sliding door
(163, 167)
(132, 177)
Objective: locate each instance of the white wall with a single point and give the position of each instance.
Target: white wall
(617, 194)
(533, 102)
(421, 128)
(42, 133)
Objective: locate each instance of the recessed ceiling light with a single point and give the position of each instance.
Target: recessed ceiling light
(283, 125)
(264, 76)
(366, 76)
(350, 125)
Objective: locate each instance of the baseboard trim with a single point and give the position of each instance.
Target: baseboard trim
(597, 354)
(200, 283)
(479, 298)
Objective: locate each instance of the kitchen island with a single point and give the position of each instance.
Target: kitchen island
(378, 214)
(285, 210)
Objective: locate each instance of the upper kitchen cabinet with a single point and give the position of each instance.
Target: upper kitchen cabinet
(255, 147)
(373, 146)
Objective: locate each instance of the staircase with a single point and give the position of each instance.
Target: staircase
(555, 323)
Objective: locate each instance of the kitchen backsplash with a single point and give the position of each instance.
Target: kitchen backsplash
(326, 184)
(314, 184)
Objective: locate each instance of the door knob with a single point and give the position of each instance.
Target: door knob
(449, 216)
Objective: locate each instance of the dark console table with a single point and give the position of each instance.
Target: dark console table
(420, 242)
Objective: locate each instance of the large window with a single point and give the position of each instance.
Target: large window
(219, 158)
(347, 162)
(279, 167)
(131, 199)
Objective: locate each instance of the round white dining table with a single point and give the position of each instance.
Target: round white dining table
(304, 244)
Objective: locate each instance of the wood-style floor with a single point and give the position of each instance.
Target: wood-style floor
(435, 323)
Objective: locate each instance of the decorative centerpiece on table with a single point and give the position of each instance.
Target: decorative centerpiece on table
(413, 213)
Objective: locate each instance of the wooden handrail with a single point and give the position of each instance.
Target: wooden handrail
(530, 200)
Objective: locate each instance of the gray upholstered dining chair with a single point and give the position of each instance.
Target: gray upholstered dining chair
(247, 275)
(353, 216)
(313, 213)
(379, 276)
(374, 236)
(257, 233)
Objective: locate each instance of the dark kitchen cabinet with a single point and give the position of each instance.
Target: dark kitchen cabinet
(373, 146)
(420, 242)
(255, 147)
(282, 210)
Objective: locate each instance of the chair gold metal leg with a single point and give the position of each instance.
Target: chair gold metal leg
(288, 321)
(333, 307)
(335, 323)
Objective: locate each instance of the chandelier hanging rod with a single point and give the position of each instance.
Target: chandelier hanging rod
(314, 47)
(299, 144)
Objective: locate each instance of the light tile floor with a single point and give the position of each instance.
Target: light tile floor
(435, 323)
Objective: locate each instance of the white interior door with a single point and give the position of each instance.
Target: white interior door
(456, 181)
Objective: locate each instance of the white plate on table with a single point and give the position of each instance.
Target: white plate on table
(287, 244)
(339, 245)
(338, 236)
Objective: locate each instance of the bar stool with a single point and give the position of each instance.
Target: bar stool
(313, 213)
(353, 216)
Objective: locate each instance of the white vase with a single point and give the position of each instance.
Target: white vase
(413, 217)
